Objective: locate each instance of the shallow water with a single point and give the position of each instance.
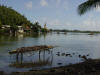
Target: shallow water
(74, 44)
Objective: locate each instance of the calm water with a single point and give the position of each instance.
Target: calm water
(71, 43)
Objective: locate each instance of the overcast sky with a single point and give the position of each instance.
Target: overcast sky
(58, 14)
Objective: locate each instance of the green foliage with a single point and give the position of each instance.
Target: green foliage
(44, 30)
(0, 24)
(88, 5)
(9, 16)
(36, 27)
(14, 27)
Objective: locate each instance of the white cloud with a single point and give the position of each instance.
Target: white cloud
(29, 5)
(43, 3)
(89, 23)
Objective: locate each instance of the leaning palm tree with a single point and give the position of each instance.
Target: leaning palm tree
(88, 5)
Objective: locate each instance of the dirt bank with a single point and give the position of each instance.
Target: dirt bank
(89, 67)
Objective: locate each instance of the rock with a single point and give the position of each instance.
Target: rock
(73, 53)
(68, 54)
(79, 56)
(58, 54)
(59, 63)
(63, 54)
(87, 55)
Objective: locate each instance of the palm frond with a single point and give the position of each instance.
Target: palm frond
(88, 5)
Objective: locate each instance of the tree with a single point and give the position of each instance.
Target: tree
(9, 16)
(36, 27)
(88, 5)
(13, 28)
(0, 24)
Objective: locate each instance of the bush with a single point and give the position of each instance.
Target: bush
(44, 30)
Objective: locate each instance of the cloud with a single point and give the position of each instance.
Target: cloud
(29, 5)
(89, 23)
(43, 3)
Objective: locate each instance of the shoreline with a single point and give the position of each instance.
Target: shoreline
(88, 67)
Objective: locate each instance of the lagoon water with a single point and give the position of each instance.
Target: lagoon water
(74, 44)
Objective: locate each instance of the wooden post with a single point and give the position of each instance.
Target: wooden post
(39, 55)
(17, 57)
(21, 57)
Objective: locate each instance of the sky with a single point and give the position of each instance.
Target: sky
(57, 14)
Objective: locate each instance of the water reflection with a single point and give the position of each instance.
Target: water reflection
(42, 60)
(13, 40)
(71, 49)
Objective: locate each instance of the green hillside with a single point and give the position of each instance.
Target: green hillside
(9, 16)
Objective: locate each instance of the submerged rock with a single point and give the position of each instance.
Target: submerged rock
(59, 63)
(68, 54)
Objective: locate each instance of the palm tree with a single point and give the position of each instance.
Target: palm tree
(88, 5)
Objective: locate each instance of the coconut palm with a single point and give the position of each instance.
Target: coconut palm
(88, 5)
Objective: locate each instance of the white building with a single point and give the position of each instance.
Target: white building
(20, 29)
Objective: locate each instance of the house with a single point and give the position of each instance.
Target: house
(5, 26)
(20, 29)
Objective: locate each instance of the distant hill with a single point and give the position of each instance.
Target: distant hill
(9, 16)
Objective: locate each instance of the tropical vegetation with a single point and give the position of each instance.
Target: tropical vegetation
(9, 16)
(88, 5)
(0, 24)
(36, 27)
